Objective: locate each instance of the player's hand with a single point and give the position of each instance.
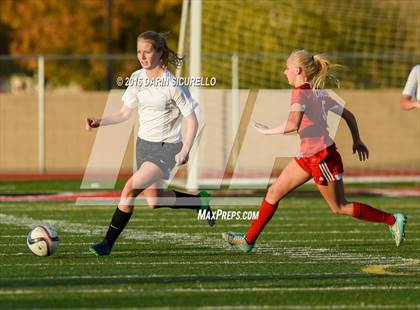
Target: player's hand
(182, 157)
(260, 127)
(91, 122)
(361, 149)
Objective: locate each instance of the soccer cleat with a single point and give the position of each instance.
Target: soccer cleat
(238, 241)
(205, 205)
(102, 248)
(398, 229)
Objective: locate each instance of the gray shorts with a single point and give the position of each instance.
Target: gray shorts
(162, 154)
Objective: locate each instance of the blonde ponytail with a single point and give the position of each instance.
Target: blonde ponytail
(317, 68)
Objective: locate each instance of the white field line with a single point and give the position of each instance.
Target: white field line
(361, 306)
(282, 233)
(277, 222)
(211, 290)
(225, 202)
(177, 218)
(195, 239)
(308, 254)
(347, 240)
(86, 253)
(354, 225)
(169, 263)
(244, 202)
(319, 307)
(322, 209)
(146, 212)
(285, 206)
(203, 245)
(211, 243)
(182, 276)
(380, 230)
(328, 232)
(172, 263)
(328, 255)
(314, 260)
(325, 307)
(91, 230)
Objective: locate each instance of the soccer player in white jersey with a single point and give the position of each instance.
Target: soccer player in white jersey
(410, 98)
(161, 107)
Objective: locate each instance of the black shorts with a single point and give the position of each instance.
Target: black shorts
(162, 154)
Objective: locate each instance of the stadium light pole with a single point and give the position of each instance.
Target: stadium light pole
(195, 71)
(41, 113)
(109, 42)
(235, 99)
(182, 31)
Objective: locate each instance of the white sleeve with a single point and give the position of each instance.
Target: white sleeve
(412, 84)
(297, 107)
(130, 98)
(182, 97)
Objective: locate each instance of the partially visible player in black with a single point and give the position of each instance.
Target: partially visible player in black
(159, 144)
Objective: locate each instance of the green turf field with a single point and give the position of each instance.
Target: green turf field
(307, 258)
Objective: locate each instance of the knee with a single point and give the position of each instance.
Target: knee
(274, 194)
(130, 191)
(126, 208)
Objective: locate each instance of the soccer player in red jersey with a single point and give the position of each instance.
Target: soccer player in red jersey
(318, 157)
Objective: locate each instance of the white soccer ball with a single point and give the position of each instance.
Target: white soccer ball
(42, 241)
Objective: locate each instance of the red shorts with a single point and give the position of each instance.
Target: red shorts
(325, 166)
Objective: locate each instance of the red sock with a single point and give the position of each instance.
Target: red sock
(264, 215)
(367, 213)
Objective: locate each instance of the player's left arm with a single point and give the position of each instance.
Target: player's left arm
(358, 145)
(191, 131)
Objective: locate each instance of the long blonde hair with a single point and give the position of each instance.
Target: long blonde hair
(158, 41)
(316, 67)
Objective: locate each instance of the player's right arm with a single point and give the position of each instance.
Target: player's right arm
(292, 124)
(118, 117)
(358, 146)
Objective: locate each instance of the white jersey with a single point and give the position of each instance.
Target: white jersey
(412, 87)
(161, 107)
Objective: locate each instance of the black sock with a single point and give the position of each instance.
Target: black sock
(118, 222)
(186, 201)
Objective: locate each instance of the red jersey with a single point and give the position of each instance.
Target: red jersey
(313, 130)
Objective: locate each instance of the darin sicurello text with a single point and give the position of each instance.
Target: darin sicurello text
(175, 81)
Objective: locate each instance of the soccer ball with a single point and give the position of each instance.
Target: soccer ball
(42, 240)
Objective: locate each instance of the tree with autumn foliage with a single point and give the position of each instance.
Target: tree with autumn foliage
(79, 27)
